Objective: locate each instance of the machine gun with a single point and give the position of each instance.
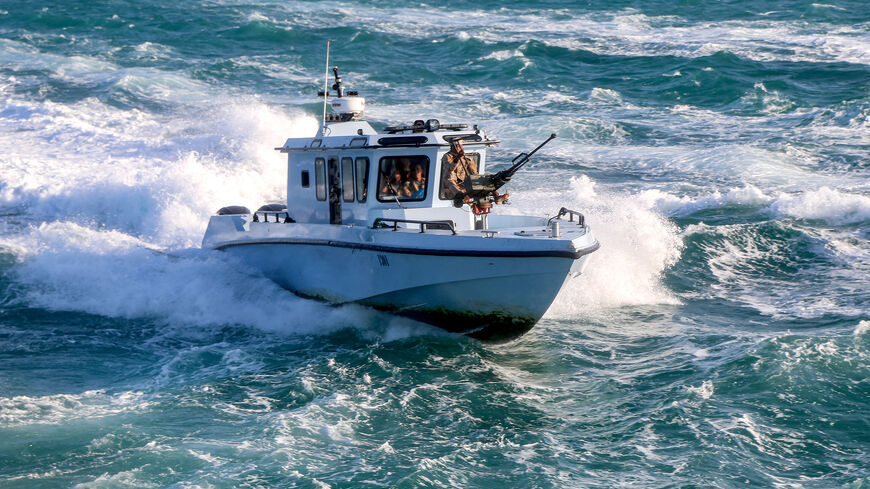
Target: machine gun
(482, 189)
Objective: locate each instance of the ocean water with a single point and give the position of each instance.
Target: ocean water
(719, 338)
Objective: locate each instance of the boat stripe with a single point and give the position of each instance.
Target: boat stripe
(417, 251)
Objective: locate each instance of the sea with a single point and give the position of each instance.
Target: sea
(720, 337)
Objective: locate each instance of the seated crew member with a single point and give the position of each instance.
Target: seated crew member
(393, 185)
(404, 168)
(416, 184)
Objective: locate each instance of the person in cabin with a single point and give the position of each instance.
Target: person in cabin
(404, 166)
(416, 184)
(393, 185)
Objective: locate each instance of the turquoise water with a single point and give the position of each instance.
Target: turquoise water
(719, 338)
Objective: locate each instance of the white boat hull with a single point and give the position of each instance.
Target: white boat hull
(488, 297)
(490, 288)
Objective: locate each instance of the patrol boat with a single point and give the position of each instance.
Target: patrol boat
(371, 218)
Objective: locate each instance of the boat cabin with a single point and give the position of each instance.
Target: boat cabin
(351, 174)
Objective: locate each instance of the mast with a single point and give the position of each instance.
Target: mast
(325, 92)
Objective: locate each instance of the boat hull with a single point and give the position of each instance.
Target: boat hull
(492, 298)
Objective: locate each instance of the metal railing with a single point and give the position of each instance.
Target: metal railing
(445, 225)
(581, 220)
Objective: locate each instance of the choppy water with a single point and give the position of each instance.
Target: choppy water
(720, 338)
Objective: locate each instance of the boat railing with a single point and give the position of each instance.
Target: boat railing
(277, 214)
(581, 220)
(439, 225)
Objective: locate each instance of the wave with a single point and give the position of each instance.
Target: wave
(631, 33)
(637, 247)
(61, 408)
(759, 264)
(67, 267)
(825, 204)
(836, 207)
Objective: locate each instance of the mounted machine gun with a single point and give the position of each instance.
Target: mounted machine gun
(481, 191)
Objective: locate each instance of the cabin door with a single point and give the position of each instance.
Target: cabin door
(334, 186)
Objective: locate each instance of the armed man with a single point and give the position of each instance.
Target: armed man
(459, 166)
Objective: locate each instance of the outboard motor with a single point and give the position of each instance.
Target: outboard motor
(277, 209)
(272, 208)
(233, 209)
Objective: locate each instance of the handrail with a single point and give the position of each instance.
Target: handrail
(581, 219)
(277, 214)
(447, 225)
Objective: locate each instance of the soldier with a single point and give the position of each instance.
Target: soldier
(458, 165)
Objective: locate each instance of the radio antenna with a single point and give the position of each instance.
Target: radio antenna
(325, 90)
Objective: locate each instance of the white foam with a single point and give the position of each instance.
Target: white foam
(71, 267)
(629, 32)
(131, 479)
(705, 390)
(674, 205)
(830, 205)
(637, 246)
(61, 408)
(505, 55)
(862, 329)
(740, 258)
(827, 204)
(768, 101)
(605, 95)
(111, 200)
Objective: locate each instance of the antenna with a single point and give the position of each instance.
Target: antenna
(325, 92)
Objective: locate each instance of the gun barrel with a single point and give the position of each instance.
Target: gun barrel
(513, 169)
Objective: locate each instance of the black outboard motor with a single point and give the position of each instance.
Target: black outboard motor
(233, 209)
(272, 208)
(278, 210)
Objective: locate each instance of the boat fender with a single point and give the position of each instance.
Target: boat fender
(233, 209)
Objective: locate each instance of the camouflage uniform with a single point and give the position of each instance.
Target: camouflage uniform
(456, 161)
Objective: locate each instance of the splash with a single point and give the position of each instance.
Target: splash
(149, 176)
(637, 247)
(65, 266)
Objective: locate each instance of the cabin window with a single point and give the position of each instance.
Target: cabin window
(306, 182)
(362, 179)
(445, 193)
(347, 179)
(403, 177)
(320, 178)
